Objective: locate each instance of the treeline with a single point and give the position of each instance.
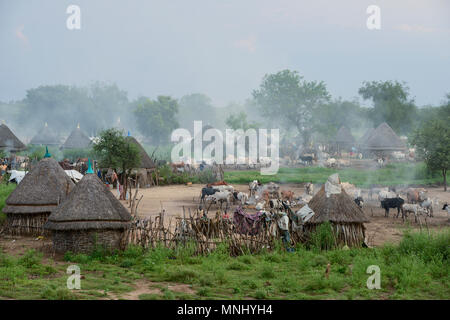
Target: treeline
(303, 110)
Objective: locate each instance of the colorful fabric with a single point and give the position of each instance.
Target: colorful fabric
(246, 223)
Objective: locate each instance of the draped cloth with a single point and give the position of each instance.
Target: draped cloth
(246, 223)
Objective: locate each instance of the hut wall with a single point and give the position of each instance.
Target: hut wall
(86, 240)
(350, 234)
(31, 224)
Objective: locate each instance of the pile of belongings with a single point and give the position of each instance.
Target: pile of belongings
(333, 185)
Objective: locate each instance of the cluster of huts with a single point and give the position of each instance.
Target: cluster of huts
(79, 217)
(380, 141)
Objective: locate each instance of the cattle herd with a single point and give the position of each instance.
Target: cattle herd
(407, 201)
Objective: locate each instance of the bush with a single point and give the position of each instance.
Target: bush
(30, 259)
(323, 237)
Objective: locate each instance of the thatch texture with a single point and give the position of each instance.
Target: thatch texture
(146, 162)
(90, 206)
(39, 193)
(9, 141)
(384, 138)
(338, 208)
(45, 137)
(77, 140)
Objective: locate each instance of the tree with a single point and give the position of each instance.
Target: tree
(286, 96)
(113, 150)
(195, 107)
(156, 118)
(390, 104)
(433, 145)
(329, 117)
(239, 121)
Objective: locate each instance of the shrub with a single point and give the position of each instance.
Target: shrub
(30, 259)
(323, 237)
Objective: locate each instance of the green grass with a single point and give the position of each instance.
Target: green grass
(417, 268)
(393, 174)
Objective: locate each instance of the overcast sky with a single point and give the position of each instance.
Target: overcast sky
(224, 48)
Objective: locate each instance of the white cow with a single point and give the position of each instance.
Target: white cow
(414, 208)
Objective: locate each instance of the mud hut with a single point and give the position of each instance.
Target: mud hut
(38, 194)
(77, 140)
(384, 140)
(91, 216)
(45, 137)
(344, 139)
(333, 204)
(9, 141)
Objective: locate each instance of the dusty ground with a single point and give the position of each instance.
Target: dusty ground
(380, 229)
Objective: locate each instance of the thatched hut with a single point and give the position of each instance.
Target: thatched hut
(77, 140)
(38, 194)
(344, 139)
(91, 216)
(9, 141)
(45, 137)
(146, 167)
(333, 204)
(384, 140)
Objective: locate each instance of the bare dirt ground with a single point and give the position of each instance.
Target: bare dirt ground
(379, 231)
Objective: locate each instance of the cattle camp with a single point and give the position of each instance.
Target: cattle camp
(216, 159)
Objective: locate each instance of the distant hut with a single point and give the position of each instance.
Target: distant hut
(77, 140)
(333, 204)
(45, 137)
(146, 167)
(91, 216)
(9, 141)
(363, 140)
(344, 139)
(34, 199)
(384, 140)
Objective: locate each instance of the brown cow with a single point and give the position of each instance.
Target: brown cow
(287, 195)
(416, 195)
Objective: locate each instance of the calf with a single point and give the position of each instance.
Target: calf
(240, 196)
(428, 204)
(359, 201)
(388, 203)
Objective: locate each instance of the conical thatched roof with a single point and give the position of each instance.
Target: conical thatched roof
(146, 162)
(77, 140)
(337, 208)
(45, 137)
(91, 205)
(384, 138)
(41, 190)
(362, 141)
(344, 136)
(8, 140)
